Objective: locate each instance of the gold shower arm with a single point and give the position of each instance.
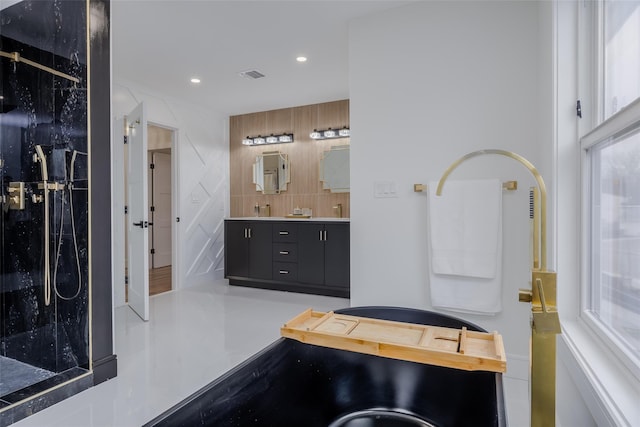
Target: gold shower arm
(15, 56)
(541, 187)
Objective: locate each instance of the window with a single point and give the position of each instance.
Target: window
(612, 177)
(621, 40)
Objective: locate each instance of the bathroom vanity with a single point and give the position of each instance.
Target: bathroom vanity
(297, 255)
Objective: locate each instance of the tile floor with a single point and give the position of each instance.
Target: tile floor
(194, 336)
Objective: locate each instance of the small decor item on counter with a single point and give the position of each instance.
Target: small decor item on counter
(300, 213)
(256, 210)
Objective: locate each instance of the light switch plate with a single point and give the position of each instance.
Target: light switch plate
(384, 189)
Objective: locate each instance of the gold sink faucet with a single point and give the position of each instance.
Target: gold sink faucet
(338, 208)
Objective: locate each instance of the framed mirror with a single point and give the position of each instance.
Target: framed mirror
(271, 172)
(334, 169)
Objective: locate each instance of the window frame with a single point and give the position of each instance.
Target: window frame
(618, 124)
(593, 130)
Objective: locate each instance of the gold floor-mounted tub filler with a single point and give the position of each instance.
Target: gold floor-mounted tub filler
(545, 324)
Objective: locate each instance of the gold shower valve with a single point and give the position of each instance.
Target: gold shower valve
(16, 195)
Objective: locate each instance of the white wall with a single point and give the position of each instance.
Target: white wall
(430, 82)
(203, 179)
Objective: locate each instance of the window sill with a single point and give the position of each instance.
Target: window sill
(609, 390)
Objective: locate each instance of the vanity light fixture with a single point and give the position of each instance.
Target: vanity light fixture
(271, 139)
(345, 132)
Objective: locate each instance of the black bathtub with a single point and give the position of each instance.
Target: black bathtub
(294, 384)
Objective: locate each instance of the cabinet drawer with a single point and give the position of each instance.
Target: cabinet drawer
(285, 232)
(285, 252)
(285, 271)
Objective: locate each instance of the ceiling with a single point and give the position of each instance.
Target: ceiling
(161, 44)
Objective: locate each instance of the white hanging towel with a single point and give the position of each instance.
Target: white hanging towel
(465, 229)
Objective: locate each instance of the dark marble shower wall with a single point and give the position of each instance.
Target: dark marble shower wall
(40, 109)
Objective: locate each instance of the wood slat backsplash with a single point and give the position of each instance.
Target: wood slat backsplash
(305, 189)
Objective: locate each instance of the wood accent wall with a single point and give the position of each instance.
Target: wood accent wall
(305, 189)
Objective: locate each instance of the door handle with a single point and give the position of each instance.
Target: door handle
(141, 224)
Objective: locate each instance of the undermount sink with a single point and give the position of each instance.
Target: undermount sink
(292, 383)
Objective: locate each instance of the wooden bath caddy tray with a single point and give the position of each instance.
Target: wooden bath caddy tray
(433, 345)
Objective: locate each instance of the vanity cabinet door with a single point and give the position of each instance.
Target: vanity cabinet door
(248, 249)
(236, 248)
(311, 253)
(336, 255)
(323, 254)
(260, 251)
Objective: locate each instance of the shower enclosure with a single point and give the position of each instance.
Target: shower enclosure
(44, 228)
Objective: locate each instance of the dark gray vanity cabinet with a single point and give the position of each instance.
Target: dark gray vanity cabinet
(297, 256)
(248, 249)
(323, 254)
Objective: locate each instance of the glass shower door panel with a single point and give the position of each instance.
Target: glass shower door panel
(44, 236)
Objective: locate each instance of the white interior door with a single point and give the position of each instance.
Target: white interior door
(162, 209)
(137, 218)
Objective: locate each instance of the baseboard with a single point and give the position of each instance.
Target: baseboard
(517, 367)
(104, 369)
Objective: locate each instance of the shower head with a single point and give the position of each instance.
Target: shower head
(43, 162)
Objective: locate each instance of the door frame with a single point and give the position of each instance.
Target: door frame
(175, 197)
(118, 218)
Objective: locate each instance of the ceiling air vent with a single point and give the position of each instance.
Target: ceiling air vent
(252, 74)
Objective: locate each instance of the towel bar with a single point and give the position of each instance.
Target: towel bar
(507, 185)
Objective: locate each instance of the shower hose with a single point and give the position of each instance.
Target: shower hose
(47, 259)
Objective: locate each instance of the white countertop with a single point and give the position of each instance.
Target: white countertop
(282, 218)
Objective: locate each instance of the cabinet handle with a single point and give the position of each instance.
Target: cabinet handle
(284, 252)
(320, 238)
(245, 234)
(284, 233)
(249, 232)
(284, 272)
(325, 235)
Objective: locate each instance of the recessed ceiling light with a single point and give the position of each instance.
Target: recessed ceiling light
(301, 59)
(195, 80)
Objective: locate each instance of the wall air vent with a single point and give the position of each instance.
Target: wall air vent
(252, 74)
